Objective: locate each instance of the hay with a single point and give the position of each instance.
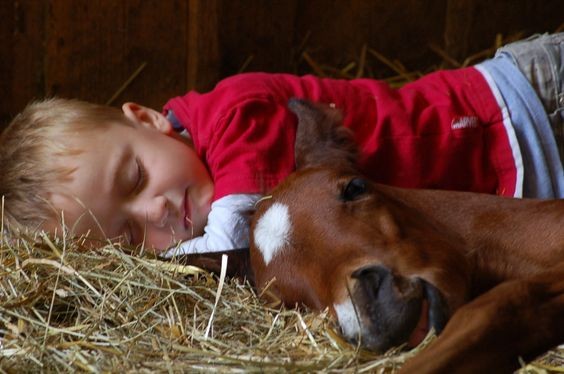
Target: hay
(65, 308)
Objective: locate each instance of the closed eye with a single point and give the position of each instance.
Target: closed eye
(140, 179)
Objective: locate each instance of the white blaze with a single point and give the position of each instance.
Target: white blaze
(348, 319)
(272, 231)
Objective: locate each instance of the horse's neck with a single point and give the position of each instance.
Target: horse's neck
(503, 238)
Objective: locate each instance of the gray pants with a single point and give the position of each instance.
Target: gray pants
(541, 59)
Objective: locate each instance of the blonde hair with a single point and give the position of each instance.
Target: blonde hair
(30, 149)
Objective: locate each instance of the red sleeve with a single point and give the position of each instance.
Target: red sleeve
(251, 148)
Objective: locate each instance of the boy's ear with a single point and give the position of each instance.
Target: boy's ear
(147, 117)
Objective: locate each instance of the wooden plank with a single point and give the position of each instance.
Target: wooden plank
(89, 48)
(82, 59)
(202, 64)
(257, 35)
(155, 32)
(473, 25)
(21, 65)
(459, 20)
(93, 47)
(6, 60)
(399, 30)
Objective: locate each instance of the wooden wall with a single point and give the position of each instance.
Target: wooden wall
(90, 48)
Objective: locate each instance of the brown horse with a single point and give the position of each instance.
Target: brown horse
(486, 272)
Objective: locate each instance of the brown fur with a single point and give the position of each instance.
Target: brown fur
(497, 262)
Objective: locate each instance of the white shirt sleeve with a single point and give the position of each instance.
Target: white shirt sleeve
(227, 227)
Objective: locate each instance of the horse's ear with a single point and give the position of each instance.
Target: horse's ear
(321, 139)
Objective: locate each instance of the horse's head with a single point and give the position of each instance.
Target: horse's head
(331, 238)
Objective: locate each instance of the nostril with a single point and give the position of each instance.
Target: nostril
(371, 279)
(379, 270)
(377, 281)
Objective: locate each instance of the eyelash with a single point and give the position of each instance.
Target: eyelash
(141, 175)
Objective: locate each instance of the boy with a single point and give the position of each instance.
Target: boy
(491, 128)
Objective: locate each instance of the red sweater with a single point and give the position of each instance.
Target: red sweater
(442, 131)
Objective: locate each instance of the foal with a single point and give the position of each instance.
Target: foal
(486, 272)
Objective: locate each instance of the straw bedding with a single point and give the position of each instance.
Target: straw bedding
(66, 308)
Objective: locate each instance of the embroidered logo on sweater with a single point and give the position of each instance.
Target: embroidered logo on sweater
(459, 123)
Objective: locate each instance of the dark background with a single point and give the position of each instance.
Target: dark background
(89, 49)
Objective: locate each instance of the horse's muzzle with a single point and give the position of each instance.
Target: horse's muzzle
(392, 308)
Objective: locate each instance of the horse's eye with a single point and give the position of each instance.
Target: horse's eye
(353, 189)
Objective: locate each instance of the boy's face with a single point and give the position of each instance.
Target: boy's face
(143, 183)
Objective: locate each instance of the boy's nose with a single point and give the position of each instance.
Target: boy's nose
(156, 211)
